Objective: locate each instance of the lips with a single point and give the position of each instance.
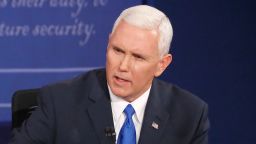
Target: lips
(121, 80)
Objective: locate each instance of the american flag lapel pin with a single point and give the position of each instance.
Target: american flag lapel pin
(155, 125)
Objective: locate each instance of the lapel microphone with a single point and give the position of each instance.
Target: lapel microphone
(110, 132)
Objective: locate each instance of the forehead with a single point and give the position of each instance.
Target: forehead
(130, 37)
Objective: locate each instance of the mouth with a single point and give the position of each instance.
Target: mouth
(121, 80)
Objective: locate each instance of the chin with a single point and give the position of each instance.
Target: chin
(118, 92)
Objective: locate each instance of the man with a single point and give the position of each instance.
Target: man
(125, 100)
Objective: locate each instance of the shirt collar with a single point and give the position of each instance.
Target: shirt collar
(118, 105)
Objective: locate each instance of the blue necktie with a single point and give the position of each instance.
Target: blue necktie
(127, 134)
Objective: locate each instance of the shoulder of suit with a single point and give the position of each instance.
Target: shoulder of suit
(72, 92)
(84, 78)
(75, 87)
(178, 95)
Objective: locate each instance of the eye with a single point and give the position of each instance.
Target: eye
(138, 57)
(118, 50)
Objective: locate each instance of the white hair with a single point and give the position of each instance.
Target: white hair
(150, 18)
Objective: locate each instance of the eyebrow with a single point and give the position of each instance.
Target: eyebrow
(138, 55)
(133, 53)
(118, 48)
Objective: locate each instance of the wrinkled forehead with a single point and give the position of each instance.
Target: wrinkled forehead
(136, 38)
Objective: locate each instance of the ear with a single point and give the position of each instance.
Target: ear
(163, 64)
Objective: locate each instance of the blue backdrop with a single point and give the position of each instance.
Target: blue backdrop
(213, 49)
(214, 57)
(48, 40)
(43, 41)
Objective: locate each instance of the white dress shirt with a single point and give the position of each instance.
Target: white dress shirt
(118, 105)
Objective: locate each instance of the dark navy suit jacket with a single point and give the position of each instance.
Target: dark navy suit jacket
(77, 112)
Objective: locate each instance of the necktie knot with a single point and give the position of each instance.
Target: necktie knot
(129, 111)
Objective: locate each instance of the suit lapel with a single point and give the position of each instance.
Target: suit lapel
(99, 109)
(155, 118)
(100, 113)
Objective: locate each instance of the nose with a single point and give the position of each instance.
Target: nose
(125, 63)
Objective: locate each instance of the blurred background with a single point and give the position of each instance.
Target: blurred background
(213, 53)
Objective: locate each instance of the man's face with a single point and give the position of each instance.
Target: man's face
(133, 60)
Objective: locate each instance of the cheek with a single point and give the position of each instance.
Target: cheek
(144, 68)
(144, 72)
(112, 64)
(140, 73)
(110, 59)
